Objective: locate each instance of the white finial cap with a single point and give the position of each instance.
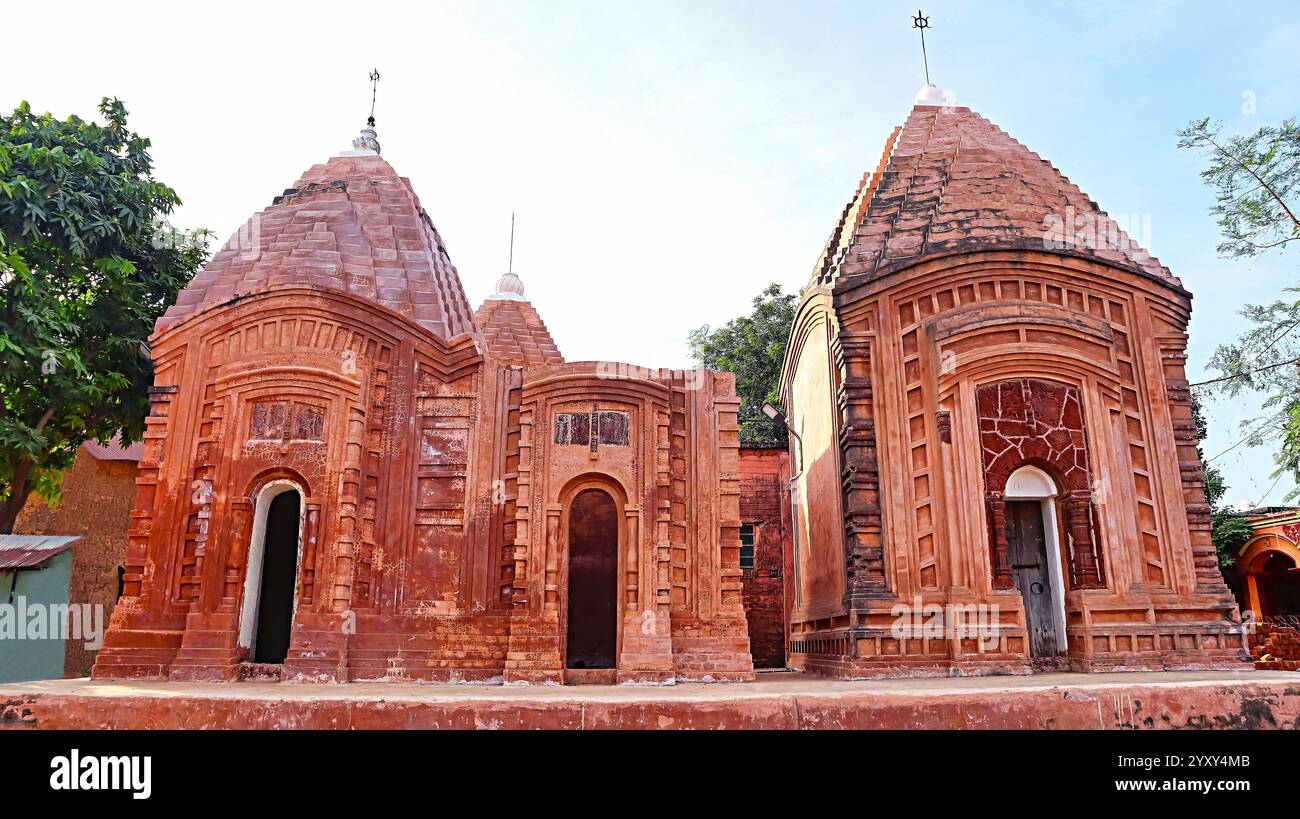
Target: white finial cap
(509, 288)
(931, 95)
(365, 145)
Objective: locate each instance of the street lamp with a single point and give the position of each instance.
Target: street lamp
(778, 417)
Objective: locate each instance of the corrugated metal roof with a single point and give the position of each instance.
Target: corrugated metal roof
(114, 451)
(27, 551)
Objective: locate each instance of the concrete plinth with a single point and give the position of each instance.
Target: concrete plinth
(781, 701)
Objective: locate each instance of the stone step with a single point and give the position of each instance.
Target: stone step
(590, 676)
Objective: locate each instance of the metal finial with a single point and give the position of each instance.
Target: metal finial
(922, 22)
(374, 95)
(511, 268)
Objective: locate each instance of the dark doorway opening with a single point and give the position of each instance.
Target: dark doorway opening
(1027, 549)
(279, 579)
(1279, 587)
(593, 581)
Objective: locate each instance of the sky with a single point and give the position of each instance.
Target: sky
(669, 159)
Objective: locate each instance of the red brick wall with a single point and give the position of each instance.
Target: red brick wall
(97, 498)
(1275, 648)
(765, 504)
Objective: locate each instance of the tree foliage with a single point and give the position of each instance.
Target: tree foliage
(87, 263)
(752, 347)
(1229, 530)
(1256, 179)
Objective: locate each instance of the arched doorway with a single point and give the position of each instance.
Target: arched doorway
(592, 629)
(271, 584)
(1034, 551)
(1270, 566)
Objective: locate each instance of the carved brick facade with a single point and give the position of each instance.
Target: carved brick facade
(974, 323)
(328, 353)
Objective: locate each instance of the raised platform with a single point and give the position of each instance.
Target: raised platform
(1229, 699)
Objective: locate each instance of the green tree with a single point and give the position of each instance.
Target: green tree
(87, 263)
(1229, 530)
(752, 347)
(1256, 179)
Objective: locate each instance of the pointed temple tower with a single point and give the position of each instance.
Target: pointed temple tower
(348, 475)
(987, 376)
(516, 336)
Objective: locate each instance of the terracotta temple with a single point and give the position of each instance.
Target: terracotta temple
(349, 474)
(996, 465)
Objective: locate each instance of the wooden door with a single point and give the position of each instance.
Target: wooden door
(1027, 549)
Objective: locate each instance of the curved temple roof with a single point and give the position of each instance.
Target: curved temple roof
(951, 181)
(351, 224)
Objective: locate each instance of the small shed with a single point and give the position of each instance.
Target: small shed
(34, 575)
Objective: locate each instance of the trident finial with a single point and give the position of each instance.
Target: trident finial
(374, 95)
(922, 22)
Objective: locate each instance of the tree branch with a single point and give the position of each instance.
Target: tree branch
(45, 419)
(1280, 201)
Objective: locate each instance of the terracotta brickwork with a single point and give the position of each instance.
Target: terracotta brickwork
(1276, 647)
(351, 225)
(1032, 421)
(515, 334)
(975, 314)
(951, 181)
(765, 505)
(330, 353)
(97, 495)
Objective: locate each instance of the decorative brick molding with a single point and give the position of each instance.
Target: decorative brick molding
(864, 554)
(1205, 560)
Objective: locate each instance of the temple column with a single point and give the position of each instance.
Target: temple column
(1252, 593)
(998, 558)
(1083, 560)
(241, 511)
(864, 554)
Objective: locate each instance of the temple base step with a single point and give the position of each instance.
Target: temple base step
(260, 672)
(590, 676)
